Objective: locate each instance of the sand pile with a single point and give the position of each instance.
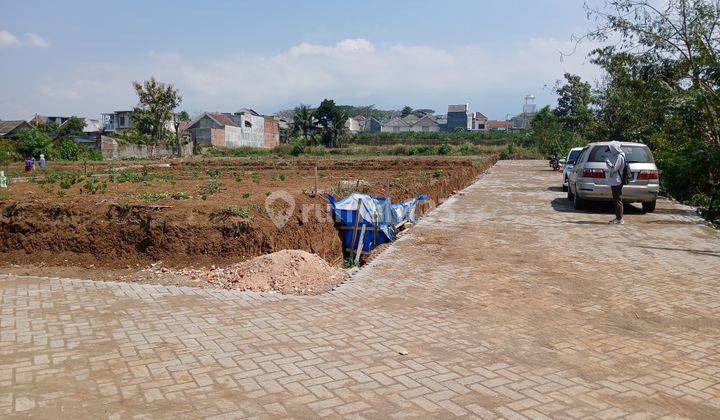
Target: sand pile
(290, 272)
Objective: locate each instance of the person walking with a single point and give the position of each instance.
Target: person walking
(615, 168)
(42, 161)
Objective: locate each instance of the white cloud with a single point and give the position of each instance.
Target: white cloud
(8, 40)
(36, 40)
(352, 71)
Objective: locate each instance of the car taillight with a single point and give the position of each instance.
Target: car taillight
(648, 175)
(593, 173)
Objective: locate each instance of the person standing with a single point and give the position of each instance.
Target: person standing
(42, 161)
(615, 168)
(29, 164)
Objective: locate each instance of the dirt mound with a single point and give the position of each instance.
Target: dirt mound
(289, 271)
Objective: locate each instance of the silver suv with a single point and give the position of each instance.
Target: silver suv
(587, 182)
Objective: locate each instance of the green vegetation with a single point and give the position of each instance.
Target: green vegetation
(92, 186)
(662, 88)
(210, 188)
(243, 211)
(151, 196)
(179, 195)
(349, 263)
(157, 102)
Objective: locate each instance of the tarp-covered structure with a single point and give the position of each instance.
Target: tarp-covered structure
(379, 215)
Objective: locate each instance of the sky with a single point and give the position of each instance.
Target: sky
(80, 57)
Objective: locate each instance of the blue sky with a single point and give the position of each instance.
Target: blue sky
(80, 57)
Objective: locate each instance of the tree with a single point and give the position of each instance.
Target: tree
(74, 126)
(34, 142)
(304, 120)
(338, 127)
(178, 118)
(407, 110)
(423, 112)
(665, 62)
(155, 108)
(328, 115)
(574, 103)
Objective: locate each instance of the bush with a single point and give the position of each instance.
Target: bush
(33, 142)
(67, 149)
(298, 148)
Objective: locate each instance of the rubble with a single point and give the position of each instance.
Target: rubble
(294, 272)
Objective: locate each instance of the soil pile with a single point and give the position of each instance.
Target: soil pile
(289, 271)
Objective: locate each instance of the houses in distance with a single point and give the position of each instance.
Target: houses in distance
(458, 117)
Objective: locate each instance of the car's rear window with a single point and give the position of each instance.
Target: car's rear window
(574, 154)
(634, 154)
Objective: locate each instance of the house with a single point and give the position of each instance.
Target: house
(495, 125)
(91, 127)
(272, 132)
(11, 129)
(395, 125)
(480, 121)
(242, 129)
(372, 125)
(47, 119)
(426, 124)
(116, 121)
(457, 117)
(352, 125)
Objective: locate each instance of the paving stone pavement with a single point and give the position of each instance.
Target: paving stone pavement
(503, 302)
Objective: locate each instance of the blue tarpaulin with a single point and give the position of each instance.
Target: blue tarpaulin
(374, 212)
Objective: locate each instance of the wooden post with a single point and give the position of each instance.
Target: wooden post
(355, 228)
(358, 252)
(316, 181)
(375, 230)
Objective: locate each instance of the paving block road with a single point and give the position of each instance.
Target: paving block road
(503, 302)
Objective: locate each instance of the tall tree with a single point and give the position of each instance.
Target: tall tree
(304, 120)
(573, 108)
(326, 115)
(155, 107)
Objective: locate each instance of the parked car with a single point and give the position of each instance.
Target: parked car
(586, 181)
(568, 164)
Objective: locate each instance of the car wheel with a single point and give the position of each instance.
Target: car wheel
(648, 206)
(578, 203)
(570, 195)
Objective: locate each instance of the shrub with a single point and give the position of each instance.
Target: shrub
(33, 142)
(238, 211)
(298, 148)
(151, 196)
(210, 188)
(67, 149)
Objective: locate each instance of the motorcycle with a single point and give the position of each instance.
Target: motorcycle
(554, 163)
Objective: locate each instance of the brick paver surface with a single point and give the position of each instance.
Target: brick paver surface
(502, 303)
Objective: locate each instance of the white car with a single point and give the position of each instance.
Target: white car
(568, 164)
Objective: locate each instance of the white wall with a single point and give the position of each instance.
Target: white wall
(246, 136)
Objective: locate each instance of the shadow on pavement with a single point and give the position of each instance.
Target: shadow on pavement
(555, 189)
(692, 251)
(564, 205)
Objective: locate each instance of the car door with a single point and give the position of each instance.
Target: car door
(572, 178)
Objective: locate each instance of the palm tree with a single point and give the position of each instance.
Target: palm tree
(304, 120)
(338, 121)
